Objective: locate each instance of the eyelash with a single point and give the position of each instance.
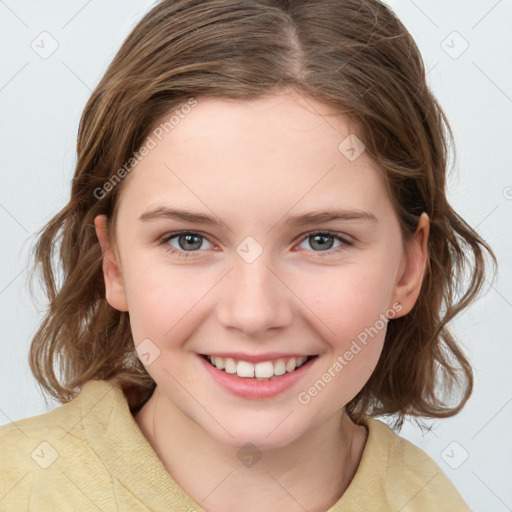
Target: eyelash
(187, 254)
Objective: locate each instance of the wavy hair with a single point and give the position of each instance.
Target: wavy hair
(354, 55)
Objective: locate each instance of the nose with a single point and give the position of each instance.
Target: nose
(255, 298)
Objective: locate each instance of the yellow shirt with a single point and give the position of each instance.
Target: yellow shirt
(90, 455)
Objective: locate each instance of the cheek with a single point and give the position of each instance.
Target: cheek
(163, 300)
(349, 363)
(348, 301)
(350, 309)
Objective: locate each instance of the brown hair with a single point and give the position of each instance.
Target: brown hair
(352, 54)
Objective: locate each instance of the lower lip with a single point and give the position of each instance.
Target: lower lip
(256, 389)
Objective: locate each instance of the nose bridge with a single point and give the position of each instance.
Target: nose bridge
(254, 299)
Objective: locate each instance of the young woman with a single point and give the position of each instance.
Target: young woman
(257, 258)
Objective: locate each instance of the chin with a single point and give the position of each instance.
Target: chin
(264, 433)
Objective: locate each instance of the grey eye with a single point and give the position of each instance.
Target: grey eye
(322, 241)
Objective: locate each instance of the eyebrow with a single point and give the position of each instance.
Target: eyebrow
(298, 220)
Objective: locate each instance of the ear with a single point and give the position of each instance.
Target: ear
(114, 285)
(412, 269)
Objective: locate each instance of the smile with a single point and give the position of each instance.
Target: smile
(263, 370)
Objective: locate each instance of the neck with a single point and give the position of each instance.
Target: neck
(311, 473)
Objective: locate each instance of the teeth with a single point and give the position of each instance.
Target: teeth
(301, 360)
(263, 370)
(280, 367)
(244, 369)
(291, 364)
(218, 362)
(229, 364)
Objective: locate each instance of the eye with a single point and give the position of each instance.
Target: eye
(323, 241)
(184, 242)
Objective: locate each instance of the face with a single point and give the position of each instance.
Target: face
(289, 305)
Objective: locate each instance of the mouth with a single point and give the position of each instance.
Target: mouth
(261, 371)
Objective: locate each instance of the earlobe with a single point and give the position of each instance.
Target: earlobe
(114, 285)
(410, 279)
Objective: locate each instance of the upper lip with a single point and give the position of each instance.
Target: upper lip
(258, 358)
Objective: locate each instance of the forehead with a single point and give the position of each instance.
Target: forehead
(275, 152)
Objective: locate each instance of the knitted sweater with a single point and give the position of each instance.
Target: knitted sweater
(90, 455)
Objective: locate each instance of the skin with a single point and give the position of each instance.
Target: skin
(254, 164)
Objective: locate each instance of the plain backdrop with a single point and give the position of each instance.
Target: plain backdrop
(467, 49)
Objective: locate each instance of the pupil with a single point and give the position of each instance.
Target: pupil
(188, 239)
(322, 244)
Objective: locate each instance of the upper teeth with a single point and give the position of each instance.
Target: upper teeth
(263, 370)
